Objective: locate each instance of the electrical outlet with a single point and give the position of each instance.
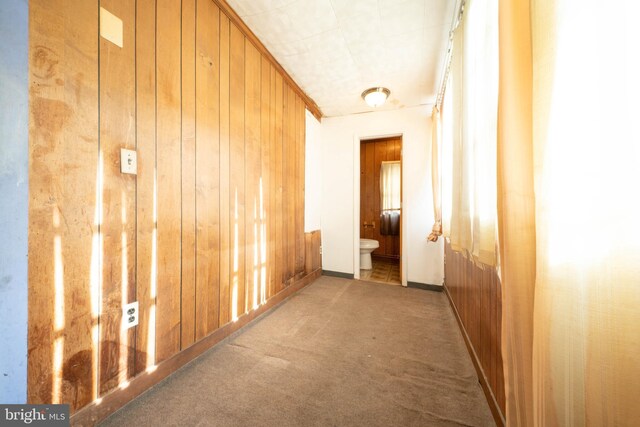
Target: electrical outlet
(130, 315)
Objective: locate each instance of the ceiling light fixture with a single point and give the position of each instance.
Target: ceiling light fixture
(376, 96)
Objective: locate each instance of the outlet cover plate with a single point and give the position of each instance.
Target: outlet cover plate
(128, 161)
(130, 315)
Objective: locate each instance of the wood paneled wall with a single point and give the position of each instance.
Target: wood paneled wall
(209, 229)
(372, 154)
(475, 294)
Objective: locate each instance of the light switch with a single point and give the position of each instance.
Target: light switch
(128, 161)
(110, 27)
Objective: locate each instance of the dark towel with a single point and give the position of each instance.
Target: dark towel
(390, 223)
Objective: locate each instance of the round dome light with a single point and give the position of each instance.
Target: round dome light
(376, 96)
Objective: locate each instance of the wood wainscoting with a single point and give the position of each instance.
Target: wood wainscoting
(209, 231)
(476, 298)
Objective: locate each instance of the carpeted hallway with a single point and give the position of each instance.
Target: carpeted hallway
(338, 353)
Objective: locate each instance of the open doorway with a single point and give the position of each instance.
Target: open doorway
(381, 210)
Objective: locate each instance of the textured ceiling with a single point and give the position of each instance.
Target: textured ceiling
(335, 49)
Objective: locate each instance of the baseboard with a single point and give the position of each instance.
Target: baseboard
(488, 393)
(337, 274)
(97, 411)
(425, 286)
(385, 257)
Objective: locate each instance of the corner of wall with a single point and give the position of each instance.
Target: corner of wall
(313, 173)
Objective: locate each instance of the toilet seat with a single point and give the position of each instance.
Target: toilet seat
(369, 244)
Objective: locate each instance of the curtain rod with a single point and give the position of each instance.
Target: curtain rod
(457, 18)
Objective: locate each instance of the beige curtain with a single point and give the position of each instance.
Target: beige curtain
(446, 165)
(436, 184)
(569, 165)
(516, 209)
(586, 67)
(474, 73)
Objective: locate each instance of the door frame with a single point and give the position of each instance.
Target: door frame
(357, 140)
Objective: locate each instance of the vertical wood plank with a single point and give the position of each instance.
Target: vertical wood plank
(300, 145)
(369, 188)
(252, 173)
(494, 339)
(117, 130)
(279, 167)
(226, 259)
(291, 184)
(362, 189)
(476, 314)
(168, 178)
(146, 260)
(286, 271)
(397, 154)
(486, 325)
(188, 296)
(499, 367)
(273, 185)
(265, 182)
(379, 155)
(236, 179)
(207, 159)
(63, 208)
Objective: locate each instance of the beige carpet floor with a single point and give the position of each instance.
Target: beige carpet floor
(338, 353)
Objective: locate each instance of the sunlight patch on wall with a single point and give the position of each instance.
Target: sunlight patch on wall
(58, 275)
(255, 255)
(263, 248)
(56, 386)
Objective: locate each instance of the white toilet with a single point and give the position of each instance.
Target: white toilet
(366, 247)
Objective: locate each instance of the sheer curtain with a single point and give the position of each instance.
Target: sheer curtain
(569, 163)
(482, 64)
(390, 185)
(474, 92)
(460, 223)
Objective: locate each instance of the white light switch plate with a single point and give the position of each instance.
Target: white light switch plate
(128, 161)
(130, 315)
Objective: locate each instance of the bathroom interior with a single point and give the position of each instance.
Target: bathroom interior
(380, 209)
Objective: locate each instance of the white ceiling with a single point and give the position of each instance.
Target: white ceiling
(335, 49)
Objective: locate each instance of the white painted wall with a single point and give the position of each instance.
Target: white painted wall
(312, 174)
(423, 262)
